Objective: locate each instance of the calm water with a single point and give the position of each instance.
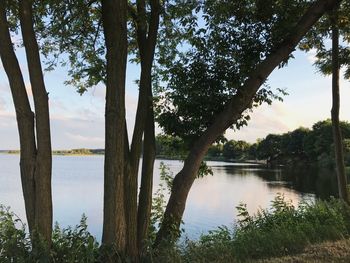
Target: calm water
(78, 188)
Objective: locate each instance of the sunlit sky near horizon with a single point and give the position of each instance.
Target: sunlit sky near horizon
(78, 121)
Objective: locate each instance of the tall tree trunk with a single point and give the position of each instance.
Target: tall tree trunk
(131, 182)
(145, 196)
(232, 112)
(43, 165)
(146, 39)
(337, 136)
(114, 16)
(24, 114)
(35, 164)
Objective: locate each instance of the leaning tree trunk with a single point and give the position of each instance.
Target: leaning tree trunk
(337, 136)
(114, 16)
(183, 181)
(35, 164)
(42, 175)
(24, 114)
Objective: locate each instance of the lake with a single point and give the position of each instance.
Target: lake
(77, 183)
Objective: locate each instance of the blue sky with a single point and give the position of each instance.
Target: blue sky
(78, 121)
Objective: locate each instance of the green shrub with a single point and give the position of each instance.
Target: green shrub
(74, 245)
(14, 242)
(68, 245)
(282, 230)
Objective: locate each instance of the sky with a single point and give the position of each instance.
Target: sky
(78, 121)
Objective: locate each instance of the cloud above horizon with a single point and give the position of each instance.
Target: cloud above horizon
(78, 121)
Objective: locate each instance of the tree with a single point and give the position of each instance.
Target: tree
(330, 62)
(292, 143)
(235, 149)
(114, 18)
(232, 110)
(337, 136)
(86, 47)
(74, 28)
(215, 151)
(34, 129)
(270, 147)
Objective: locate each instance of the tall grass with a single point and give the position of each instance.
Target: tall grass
(282, 230)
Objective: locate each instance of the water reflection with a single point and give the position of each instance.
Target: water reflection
(78, 188)
(213, 199)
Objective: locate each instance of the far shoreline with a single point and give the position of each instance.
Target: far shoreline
(100, 152)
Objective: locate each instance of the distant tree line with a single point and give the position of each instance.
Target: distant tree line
(303, 145)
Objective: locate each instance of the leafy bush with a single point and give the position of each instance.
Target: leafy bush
(68, 245)
(14, 242)
(74, 245)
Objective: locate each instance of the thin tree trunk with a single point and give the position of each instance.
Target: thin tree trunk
(232, 112)
(43, 198)
(114, 16)
(131, 182)
(337, 136)
(145, 196)
(146, 39)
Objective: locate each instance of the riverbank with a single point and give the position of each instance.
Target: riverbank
(309, 233)
(89, 152)
(338, 251)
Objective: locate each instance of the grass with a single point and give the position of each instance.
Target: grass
(270, 235)
(284, 230)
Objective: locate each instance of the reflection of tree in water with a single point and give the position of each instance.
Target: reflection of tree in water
(320, 181)
(268, 174)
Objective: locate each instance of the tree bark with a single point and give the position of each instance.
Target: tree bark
(43, 165)
(145, 196)
(35, 164)
(337, 135)
(114, 16)
(183, 181)
(24, 115)
(146, 39)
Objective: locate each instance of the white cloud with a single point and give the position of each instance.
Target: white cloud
(311, 56)
(84, 139)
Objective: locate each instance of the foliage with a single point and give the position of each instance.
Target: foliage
(310, 146)
(235, 150)
(318, 36)
(223, 43)
(14, 243)
(302, 145)
(170, 147)
(159, 200)
(282, 230)
(71, 36)
(68, 245)
(74, 245)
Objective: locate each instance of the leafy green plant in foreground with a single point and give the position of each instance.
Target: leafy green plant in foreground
(281, 230)
(74, 244)
(14, 243)
(68, 245)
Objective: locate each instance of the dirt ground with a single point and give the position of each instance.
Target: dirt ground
(338, 251)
